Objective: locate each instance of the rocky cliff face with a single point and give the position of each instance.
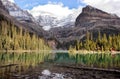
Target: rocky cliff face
(48, 20)
(24, 22)
(17, 12)
(4, 13)
(2, 7)
(90, 19)
(23, 18)
(93, 17)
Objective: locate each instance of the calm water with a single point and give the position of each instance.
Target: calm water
(21, 62)
(100, 60)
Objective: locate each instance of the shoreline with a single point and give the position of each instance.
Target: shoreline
(64, 51)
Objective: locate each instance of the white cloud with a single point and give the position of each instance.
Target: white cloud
(57, 9)
(30, 5)
(111, 6)
(12, 1)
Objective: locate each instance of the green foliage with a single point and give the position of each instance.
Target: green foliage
(103, 60)
(102, 42)
(23, 60)
(13, 38)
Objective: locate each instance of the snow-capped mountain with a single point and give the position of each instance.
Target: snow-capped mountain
(24, 17)
(45, 19)
(49, 20)
(17, 12)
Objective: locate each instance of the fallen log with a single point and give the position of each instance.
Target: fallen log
(9, 65)
(92, 69)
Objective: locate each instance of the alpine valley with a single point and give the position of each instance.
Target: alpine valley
(66, 31)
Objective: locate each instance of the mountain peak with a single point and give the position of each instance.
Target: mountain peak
(89, 9)
(92, 11)
(91, 15)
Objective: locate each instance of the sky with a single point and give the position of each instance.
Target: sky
(63, 8)
(29, 4)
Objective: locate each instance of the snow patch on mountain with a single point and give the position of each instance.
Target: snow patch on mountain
(17, 12)
(46, 19)
(49, 20)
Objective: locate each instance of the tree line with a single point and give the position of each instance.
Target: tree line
(102, 42)
(14, 38)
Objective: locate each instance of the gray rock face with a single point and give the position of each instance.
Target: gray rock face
(23, 18)
(48, 20)
(93, 20)
(2, 7)
(91, 16)
(17, 12)
(90, 19)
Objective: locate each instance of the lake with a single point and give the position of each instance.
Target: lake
(17, 64)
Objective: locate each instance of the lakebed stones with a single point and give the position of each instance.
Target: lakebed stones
(46, 74)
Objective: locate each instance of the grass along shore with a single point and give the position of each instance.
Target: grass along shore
(92, 52)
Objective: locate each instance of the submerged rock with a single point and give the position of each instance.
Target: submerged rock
(58, 76)
(46, 72)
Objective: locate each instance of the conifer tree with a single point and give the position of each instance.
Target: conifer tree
(14, 38)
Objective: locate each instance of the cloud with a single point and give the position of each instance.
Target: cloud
(57, 9)
(30, 5)
(12, 1)
(111, 6)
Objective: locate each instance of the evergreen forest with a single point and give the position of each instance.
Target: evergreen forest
(102, 42)
(14, 38)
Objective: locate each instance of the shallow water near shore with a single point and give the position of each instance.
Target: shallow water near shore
(31, 65)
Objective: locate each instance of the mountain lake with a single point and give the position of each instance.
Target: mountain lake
(59, 65)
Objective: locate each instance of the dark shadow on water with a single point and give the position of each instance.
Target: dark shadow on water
(15, 64)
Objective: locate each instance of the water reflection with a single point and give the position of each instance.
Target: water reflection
(13, 64)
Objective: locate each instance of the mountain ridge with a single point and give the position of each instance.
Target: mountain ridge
(47, 19)
(95, 14)
(24, 18)
(90, 20)
(30, 26)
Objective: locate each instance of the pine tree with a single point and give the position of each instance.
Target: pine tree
(104, 42)
(87, 42)
(13, 38)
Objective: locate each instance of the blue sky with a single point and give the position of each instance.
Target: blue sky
(29, 4)
(67, 7)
